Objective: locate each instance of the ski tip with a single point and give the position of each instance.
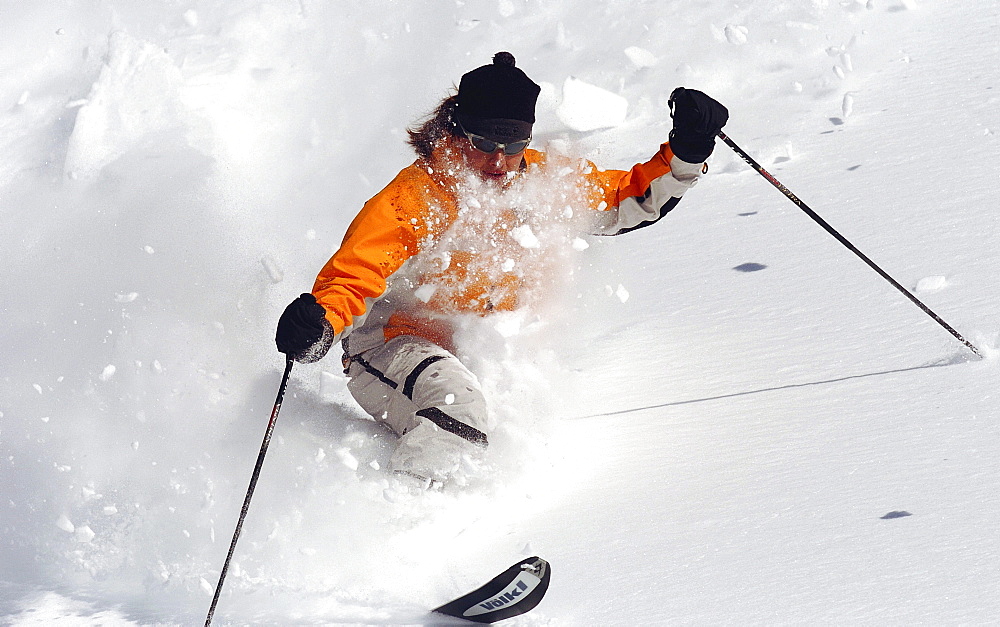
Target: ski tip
(511, 593)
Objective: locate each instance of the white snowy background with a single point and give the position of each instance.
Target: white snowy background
(710, 428)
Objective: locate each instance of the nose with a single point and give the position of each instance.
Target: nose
(497, 157)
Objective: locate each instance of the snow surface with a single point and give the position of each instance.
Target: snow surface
(729, 420)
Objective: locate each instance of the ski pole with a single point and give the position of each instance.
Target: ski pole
(253, 484)
(843, 240)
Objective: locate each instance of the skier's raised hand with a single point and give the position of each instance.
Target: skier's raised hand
(697, 120)
(303, 333)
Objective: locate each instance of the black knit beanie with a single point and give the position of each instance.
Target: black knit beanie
(497, 101)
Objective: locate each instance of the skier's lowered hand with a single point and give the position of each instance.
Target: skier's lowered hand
(304, 333)
(698, 118)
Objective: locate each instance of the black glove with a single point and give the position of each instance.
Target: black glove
(698, 118)
(304, 333)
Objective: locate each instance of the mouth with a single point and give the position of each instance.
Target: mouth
(498, 177)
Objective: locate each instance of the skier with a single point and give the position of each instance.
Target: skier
(420, 255)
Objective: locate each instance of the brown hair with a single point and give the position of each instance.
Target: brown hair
(438, 125)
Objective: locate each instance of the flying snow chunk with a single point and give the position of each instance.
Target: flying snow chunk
(587, 107)
(65, 524)
(347, 458)
(84, 534)
(425, 292)
(847, 105)
(931, 284)
(108, 372)
(622, 293)
(845, 58)
(736, 35)
(274, 271)
(524, 236)
(508, 326)
(640, 57)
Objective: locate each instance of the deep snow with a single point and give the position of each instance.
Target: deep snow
(710, 429)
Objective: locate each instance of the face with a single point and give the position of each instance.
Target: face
(493, 166)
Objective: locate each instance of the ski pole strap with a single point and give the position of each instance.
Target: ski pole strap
(843, 240)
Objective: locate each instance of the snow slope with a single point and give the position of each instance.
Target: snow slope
(712, 428)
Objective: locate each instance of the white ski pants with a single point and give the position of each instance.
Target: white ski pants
(424, 394)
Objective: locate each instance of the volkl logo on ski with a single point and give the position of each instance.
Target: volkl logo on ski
(506, 598)
(523, 584)
(511, 593)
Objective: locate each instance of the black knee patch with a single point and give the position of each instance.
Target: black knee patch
(457, 427)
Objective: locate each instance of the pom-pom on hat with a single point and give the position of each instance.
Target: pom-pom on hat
(497, 101)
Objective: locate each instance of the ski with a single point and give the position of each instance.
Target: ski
(511, 593)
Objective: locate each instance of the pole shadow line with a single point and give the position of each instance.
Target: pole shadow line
(791, 386)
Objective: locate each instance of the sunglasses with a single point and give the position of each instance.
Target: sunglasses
(489, 146)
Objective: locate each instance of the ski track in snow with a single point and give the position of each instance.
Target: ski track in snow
(728, 419)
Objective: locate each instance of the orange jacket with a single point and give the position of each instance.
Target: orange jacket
(415, 212)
